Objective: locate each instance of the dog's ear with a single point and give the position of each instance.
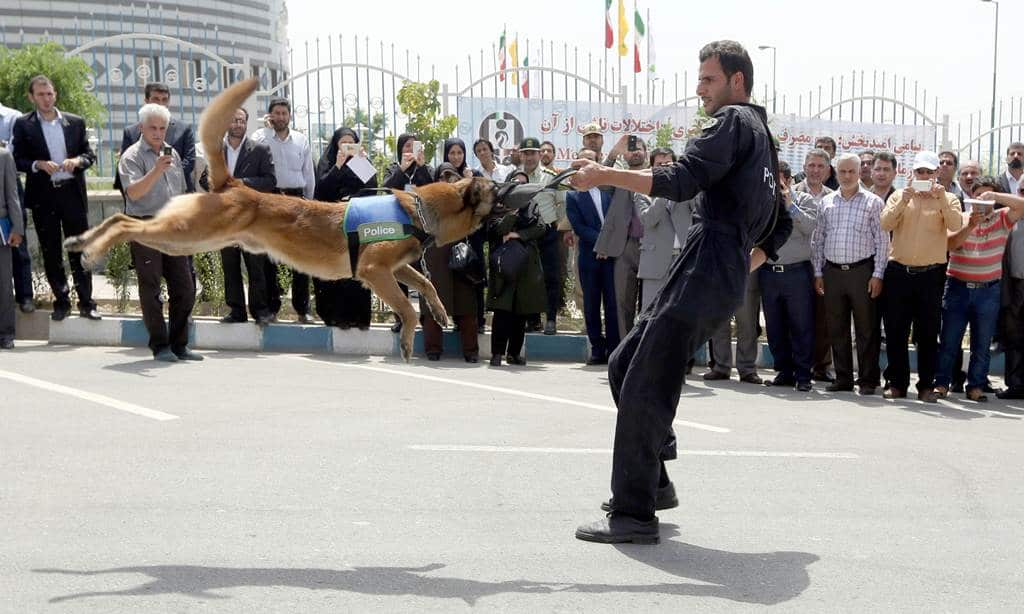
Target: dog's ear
(477, 192)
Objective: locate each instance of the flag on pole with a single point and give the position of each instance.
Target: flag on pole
(650, 47)
(623, 29)
(526, 77)
(609, 34)
(638, 33)
(501, 55)
(513, 51)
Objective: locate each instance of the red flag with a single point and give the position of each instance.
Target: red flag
(609, 34)
(636, 57)
(526, 78)
(501, 55)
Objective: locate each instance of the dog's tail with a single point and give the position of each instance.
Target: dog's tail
(214, 124)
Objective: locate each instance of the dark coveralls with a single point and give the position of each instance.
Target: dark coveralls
(732, 171)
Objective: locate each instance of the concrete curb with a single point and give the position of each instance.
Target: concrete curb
(209, 334)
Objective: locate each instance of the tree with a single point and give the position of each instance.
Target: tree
(663, 136)
(419, 102)
(368, 129)
(69, 76)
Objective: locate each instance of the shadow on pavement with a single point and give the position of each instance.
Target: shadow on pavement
(763, 578)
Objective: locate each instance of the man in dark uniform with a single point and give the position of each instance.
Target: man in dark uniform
(731, 171)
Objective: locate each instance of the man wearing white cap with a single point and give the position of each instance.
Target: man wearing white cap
(919, 217)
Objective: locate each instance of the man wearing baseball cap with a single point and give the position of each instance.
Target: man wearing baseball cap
(593, 138)
(918, 217)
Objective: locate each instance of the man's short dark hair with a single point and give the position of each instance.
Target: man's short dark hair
(867, 152)
(242, 109)
(886, 156)
(986, 181)
(956, 158)
(785, 169)
(156, 86)
(548, 143)
(1014, 145)
(485, 142)
(39, 80)
(279, 102)
(733, 58)
(662, 151)
(826, 139)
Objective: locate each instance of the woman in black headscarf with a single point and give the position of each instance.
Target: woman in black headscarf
(343, 302)
(410, 169)
(455, 154)
(456, 289)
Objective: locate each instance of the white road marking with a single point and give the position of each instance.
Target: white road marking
(512, 392)
(732, 453)
(88, 396)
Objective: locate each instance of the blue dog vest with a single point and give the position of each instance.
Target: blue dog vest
(377, 218)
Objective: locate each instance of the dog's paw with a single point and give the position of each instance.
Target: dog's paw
(406, 350)
(440, 316)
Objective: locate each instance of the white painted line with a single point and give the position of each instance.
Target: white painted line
(732, 453)
(88, 396)
(510, 391)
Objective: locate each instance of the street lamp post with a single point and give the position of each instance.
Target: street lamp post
(775, 92)
(995, 58)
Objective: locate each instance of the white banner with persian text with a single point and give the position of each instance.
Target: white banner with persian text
(505, 122)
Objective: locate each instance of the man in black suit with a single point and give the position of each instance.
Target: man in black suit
(253, 164)
(180, 135)
(51, 148)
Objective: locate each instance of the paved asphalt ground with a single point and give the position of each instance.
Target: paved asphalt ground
(275, 483)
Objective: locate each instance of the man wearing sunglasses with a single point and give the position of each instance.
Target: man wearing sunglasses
(948, 162)
(919, 217)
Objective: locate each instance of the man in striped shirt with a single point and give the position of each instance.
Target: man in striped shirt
(849, 252)
(973, 286)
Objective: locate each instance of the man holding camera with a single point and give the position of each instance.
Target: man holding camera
(152, 174)
(918, 217)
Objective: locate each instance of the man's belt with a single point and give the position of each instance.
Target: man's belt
(789, 268)
(850, 265)
(290, 191)
(62, 183)
(916, 270)
(975, 285)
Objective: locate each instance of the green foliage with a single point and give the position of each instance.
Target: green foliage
(69, 76)
(663, 136)
(119, 274)
(420, 103)
(209, 278)
(369, 129)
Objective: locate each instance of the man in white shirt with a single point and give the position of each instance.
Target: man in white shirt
(1009, 181)
(489, 167)
(293, 166)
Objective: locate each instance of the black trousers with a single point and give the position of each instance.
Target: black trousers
(64, 216)
(150, 267)
(342, 302)
(912, 299)
(787, 292)
(846, 293)
(256, 265)
(22, 262)
(508, 333)
(552, 264)
(704, 287)
(1013, 334)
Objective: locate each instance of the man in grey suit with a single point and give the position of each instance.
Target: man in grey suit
(13, 231)
(666, 224)
(620, 239)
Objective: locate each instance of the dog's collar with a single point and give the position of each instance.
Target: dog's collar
(427, 217)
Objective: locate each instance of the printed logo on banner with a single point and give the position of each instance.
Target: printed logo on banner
(502, 129)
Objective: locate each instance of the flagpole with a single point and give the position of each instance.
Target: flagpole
(607, 24)
(636, 49)
(650, 95)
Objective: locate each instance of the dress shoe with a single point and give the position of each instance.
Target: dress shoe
(713, 375)
(59, 313)
(782, 381)
(27, 306)
(823, 377)
(894, 393)
(304, 318)
(186, 354)
(550, 328)
(620, 529)
(942, 391)
(496, 361)
(957, 387)
(596, 360)
(867, 391)
(839, 388)
(1011, 394)
(263, 321)
(976, 394)
(433, 356)
(472, 358)
(6, 344)
(928, 396)
(752, 378)
(90, 314)
(233, 319)
(804, 387)
(165, 355)
(665, 499)
(515, 360)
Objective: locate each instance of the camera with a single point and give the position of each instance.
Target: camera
(166, 150)
(921, 185)
(632, 146)
(417, 148)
